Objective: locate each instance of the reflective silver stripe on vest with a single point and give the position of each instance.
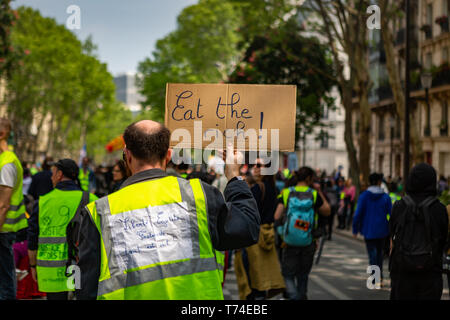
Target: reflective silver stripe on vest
(51, 263)
(103, 211)
(15, 220)
(52, 240)
(15, 208)
(187, 195)
(156, 273)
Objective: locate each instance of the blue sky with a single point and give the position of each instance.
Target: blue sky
(125, 31)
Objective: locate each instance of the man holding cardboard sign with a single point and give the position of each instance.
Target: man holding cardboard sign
(251, 117)
(156, 237)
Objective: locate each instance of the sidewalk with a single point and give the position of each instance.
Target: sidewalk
(348, 234)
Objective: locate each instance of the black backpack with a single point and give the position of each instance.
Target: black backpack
(414, 248)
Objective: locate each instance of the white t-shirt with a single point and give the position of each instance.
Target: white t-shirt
(8, 175)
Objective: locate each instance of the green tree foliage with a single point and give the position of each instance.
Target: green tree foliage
(57, 89)
(201, 49)
(283, 56)
(8, 18)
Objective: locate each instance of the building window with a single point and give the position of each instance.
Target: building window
(445, 55)
(381, 128)
(430, 15)
(443, 125)
(323, 139)
(325, 112)
(429, 60)
(380, 163)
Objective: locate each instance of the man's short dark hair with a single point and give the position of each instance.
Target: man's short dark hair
(375, 179)
(150, 147)
(304, 173)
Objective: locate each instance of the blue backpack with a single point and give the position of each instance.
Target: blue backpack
(300, 219)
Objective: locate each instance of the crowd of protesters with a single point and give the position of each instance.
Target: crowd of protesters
(272, 266)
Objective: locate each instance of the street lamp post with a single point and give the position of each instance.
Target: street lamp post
(392, 125)
(406, 161)
(426, 79)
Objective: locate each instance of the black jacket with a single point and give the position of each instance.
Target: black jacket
(41, 184)
(233, 223)
(421, 184)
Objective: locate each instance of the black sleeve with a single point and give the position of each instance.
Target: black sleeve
(234, 222)
(257, 194)
(32, 189)
(397, 209)
(33, 228)
(443, 225)
(88, 257)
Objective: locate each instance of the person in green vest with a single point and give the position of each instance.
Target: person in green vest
(33, 170)
(12, 211)
(48, 249)
(86, 176)
(393, 195)
(182, 169)
(297, 259)
(158, 236)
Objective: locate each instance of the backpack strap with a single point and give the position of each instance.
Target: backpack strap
(425, 206)
(72, 231)
(409, 201)
(410, 206)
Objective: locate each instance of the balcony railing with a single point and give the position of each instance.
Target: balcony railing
(428, 30)
(443, 23)
(441, 76)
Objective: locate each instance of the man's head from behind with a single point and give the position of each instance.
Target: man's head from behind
(306, 175)
(5, 128)
(64, 169)
(146, 145)
(375, 179)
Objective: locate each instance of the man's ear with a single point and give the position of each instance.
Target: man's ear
(169, 155)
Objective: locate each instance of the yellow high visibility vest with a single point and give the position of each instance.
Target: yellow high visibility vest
(155, 242)
(84, 179)
(15, 217)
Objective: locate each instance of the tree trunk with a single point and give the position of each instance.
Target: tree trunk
(348, 136)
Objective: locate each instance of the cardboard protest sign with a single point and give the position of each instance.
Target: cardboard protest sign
(206, 115)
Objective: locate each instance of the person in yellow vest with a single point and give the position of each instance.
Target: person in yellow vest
(48, 249)
(157, 237)
(86, 176)
(12, 211)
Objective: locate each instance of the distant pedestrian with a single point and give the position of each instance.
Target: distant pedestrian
(12, 211)
(26, 179)
(87, 176)
(332, 195)
(349, 203)
(374, 205)
(119, 175)
(41, 182)
(419, 230)
(442, 185)
(298, 206)
(257, 267)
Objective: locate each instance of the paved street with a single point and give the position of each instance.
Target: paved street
(340, 274)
